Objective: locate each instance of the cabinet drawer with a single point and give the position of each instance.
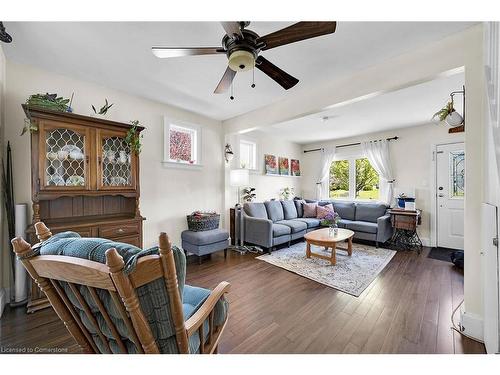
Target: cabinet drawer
(83, 232)
(118, 230)
(131, 240)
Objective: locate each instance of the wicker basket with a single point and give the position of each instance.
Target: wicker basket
(202, 221)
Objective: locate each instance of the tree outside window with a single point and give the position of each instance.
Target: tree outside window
(353, 179)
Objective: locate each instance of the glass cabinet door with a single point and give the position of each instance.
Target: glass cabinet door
(64, 157)
(116, 162)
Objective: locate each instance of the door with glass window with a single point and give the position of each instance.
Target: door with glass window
(450, 194)
(116, 163)
(64, 157)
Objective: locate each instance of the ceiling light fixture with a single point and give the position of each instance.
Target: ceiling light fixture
(241, 61)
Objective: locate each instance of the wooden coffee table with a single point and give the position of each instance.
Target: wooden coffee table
(321, 237)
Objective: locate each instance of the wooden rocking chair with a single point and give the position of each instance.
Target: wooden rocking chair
(102, 305)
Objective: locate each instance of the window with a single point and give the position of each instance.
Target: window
(248, 153)
(182, 144)
(353, 178)
(457, 174)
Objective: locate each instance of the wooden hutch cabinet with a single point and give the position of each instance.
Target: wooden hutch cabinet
(85, 179)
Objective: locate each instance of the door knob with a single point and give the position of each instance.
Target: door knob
(441, 195)
(440, 188)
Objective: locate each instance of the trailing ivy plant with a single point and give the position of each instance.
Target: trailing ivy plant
(134, 138)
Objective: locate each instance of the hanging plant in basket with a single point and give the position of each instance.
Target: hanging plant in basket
(134, 138)
(449, 115)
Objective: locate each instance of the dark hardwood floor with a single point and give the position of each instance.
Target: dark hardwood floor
(406, 309)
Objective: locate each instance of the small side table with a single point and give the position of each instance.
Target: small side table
(405, 224)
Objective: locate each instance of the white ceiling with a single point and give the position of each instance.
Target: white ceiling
(118, 55)
(406, 107)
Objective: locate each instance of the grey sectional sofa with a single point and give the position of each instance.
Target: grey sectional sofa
(274, 223)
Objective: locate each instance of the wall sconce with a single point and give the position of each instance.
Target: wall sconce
(228, 153)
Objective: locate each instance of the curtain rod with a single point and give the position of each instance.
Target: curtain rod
(349, 144)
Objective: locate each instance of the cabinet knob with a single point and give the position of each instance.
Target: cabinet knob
(120, 230)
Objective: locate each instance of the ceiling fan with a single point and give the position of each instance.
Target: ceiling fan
(242, 48)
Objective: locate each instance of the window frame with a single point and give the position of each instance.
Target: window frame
(351, 159)
(253, 146)
(196, 150)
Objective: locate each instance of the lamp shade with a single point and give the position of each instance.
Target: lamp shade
(239, 177)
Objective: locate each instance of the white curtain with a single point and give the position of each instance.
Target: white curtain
(327, 156)
(377, 153)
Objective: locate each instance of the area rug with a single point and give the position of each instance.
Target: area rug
(350, 275)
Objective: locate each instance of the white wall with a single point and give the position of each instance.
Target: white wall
(411, 159)
(167, 194)
(268, 187)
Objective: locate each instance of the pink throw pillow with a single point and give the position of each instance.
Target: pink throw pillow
(309, 209)
(322, 211)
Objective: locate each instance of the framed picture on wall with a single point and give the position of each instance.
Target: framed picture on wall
(271, 164)
(284, 166)
(294, 167)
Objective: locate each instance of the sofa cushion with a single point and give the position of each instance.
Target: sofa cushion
(299, 206)
(295, 225)
(322, 211)
(370, 211)
(257, 210)
(281, 230)
(289, 209)
(324, 202)
(362, 226)
(274, 210)
(343, 223)
(346, 210)
(205, 237)
(309, 209)
(310, 221)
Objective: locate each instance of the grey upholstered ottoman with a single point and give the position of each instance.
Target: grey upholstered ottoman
(206, 242)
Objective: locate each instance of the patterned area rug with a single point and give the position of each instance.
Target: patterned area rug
(351, 275)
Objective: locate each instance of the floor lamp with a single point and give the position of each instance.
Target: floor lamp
(239, 178)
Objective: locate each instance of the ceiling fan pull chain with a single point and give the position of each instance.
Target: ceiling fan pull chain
(231, 97)
(253, 77)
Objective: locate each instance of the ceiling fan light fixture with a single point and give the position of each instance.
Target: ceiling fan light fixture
(241, 61)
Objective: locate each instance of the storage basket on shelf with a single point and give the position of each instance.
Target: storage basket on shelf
(202, 221)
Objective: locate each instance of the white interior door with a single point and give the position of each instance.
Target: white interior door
(450, 194)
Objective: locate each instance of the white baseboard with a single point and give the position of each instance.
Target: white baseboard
(426, 241)
(472, 325)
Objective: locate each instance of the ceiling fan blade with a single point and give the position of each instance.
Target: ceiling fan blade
(281, 77)
(225, 81)
(164, 52)
(297, 32)
(232, 28)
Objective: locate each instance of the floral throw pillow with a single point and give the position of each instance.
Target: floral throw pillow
(310, 209)
(322, 211)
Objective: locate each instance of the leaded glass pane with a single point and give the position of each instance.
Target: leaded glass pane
(65, 158)
(457, 174)
(116, 162)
